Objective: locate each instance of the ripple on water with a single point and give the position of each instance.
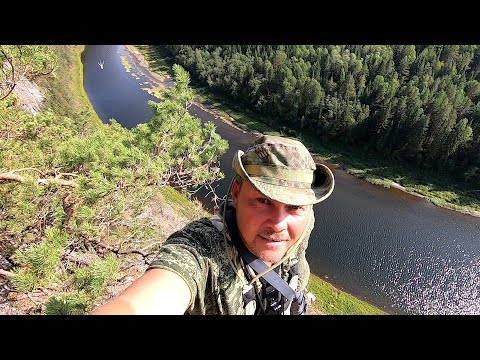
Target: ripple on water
(453, 288)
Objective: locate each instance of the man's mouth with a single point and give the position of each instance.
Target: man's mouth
(272, 239)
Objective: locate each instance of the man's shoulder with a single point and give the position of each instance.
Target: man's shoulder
(201, 237)
(198, 226)
(202, 230)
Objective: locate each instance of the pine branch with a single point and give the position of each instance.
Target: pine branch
(6, 273)
(76, 259)
(24, 169)
(69, 183)
(11, 84)
(11, 176)
(116, 250)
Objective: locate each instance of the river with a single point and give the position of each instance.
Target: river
(396, 251)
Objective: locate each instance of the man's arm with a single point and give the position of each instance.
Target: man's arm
(158, 292)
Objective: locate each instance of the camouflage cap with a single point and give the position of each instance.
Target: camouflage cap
(283, 169)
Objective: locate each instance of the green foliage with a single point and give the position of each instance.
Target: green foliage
(105, 151)
(93, 278)
(82, 223)
(18, 204)
(66, 93)
(75, 303)
(183, 152)
(39, 261)
(181, 91)
(93, 185)
(28, 61)
(24, 280)
(33, 141)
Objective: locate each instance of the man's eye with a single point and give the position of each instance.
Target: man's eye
(295, 207)
(262, 200)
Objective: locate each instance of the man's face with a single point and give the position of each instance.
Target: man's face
(268, 228)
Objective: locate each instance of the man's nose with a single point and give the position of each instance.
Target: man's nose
(278, 218)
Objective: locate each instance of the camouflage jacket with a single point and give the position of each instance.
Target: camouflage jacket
(209, 263)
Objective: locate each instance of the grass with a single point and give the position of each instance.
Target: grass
(158, 60)
(190, 210)
(332, 301)
(66, 94)
(440, 189)
(244, 119)
(126, 64)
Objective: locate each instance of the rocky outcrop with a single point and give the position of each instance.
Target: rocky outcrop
(30, 95)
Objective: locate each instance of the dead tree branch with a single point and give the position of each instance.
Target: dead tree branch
(11, 176)
(6, 273)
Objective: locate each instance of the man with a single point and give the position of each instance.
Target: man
(250, 258)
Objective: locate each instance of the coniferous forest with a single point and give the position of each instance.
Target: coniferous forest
(410, 103)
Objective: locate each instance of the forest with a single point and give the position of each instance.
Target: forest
(414, 104)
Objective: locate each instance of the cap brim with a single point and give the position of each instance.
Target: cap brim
(322, 186)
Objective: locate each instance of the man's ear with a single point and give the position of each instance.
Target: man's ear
(235, 192)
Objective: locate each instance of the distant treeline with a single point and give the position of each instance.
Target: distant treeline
(415, 103)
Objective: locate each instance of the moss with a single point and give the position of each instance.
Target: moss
(332, 301)
(182, 204)
(66, 94)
